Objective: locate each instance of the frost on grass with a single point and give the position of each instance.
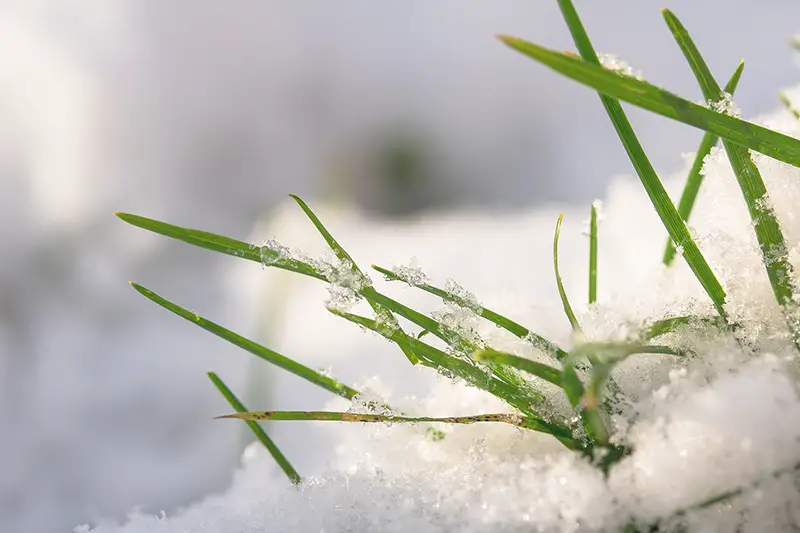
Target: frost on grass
(411, 274)
(619, 65)
(726, 420)
(726, 105)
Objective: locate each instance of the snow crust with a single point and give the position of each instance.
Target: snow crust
(726, 419)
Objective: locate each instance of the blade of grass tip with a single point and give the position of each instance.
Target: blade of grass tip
(657, 100)
(770, 238)
(695, 177)
(573, 320)
(225, 245)
(541, 370)
(256, 349)
(367, 289)
(499, 320)
(257, 430)
(593, 254)
(788, 104)
(647, 175)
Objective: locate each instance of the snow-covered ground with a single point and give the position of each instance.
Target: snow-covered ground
(726, 419)
(208, 116)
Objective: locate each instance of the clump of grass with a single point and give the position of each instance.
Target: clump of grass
(584, 372)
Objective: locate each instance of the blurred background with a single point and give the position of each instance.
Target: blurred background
(208, 114)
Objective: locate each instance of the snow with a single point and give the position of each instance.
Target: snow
(724, 420)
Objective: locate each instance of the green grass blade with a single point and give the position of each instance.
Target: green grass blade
(546, 372)
(367, 290)
(256, 349)
(573, 320)
(501, 321)
(593, 254)
(652, 184)
(770, 238)
(788, 105)
(225, 245)
(257, 430)
(657, 100)
(695, 178)
(339, 416)
(660, 327)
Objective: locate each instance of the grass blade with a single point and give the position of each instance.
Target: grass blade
(695, 178)
(339, 416)
(501, 321)
(224, 245)
(256, 349)
(259, 432)
(593, 254)
(652, 184)
(788, 105)
(546, 372)
(573, 320)
(774, 252)
(657, 100)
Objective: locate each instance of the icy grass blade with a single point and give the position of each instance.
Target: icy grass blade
(667, 325)
(339, 416)
(695, 178)
(344, 257)
(225, 245)
(657, 100)
(573, 320)
(256, 349)
(499, 320)
(774, 253)
(655, 189)
(788, 105)
(541, 370)
(593, 254)
(259, 432)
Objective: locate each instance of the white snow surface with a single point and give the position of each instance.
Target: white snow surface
(726, 419)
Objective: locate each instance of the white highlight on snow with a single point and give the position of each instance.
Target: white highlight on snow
(619, 65)
(724, 420)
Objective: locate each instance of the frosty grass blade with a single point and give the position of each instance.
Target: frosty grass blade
(339, 416)
(496, 318)
(695, 178)
(256, 349)
(593, 254)
(225, 245)
(257, 430)
(644, 169)
(546, 372)
(774, 253)
(344, 257)
(657, 100)
(573, 320)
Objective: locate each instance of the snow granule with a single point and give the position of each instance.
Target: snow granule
(725, 420)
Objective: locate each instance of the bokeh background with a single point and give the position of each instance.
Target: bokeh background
(208, 114)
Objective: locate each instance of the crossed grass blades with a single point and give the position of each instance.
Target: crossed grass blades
(584, 373)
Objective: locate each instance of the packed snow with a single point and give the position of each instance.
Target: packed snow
(725, 420)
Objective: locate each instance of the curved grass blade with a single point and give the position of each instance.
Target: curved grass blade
(660, 327)
(655, 189)
(224, 245)
(573, 320)
(506, 323)
(256, 349)
(657, 100)
(339, 416)
(695, 178)
(593, 254)
(259, 432)
(345, 258)
(774, 252)
(541, 370)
